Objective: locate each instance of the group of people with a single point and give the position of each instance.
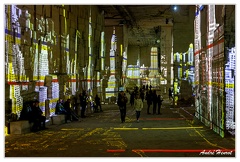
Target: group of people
(33, 113)
(71, 109)
(155, 100)
(66, 109)
(136, 101)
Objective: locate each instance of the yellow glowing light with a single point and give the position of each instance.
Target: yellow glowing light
(172, 128)
(125, 128)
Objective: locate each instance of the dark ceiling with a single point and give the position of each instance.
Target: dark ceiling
(144, 21)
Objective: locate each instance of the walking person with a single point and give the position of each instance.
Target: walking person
(154, 100)
(149, 100)
(138, 106)
(122, 101)
(159, 100)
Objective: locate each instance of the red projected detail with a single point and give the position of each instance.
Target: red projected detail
(115, 150)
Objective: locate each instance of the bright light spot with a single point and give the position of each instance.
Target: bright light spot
(175, 8)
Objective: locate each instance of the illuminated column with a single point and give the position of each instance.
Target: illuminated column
(112, 53)
(230, 74)
(102, 54)
(35, 53)
(190, 62)
(211, 26)
(74, 74)
(180, 67)
(43, 61)
(89, 68)
(110, 91)
(124, 65)
(55, 93)
(14, 58)
(154, 66)
(101, 89)
(197, 48)
(98, 80)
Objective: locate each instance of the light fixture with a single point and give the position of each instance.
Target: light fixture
(175, 8)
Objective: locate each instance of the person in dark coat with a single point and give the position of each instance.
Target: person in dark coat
(70, 114)
(170, 94)
(154, 100)
(83, 103)
(132, 98)
(26, 111)
(142, 94)
(159, 100)
(59, 107)
(37, 117)
(149, 100)
(122, 101)
(98, 103)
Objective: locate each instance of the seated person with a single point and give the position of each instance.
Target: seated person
(26, 111)
(70, 114)
(37, 117)
(59, 107)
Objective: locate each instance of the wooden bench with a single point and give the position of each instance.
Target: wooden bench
(58, 119)
(20, 127)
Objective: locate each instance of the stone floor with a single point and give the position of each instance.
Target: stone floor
(174, 133)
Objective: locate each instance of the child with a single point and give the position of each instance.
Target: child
(138, 106)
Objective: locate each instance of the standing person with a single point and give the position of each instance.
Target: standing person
(37, 116)
(83, 103)
(98, 103)
(132, 98)
(138, 106)
(160, 100)
(125, 104)
(170, 93)
(149, 100)
(122, 101)
(67, 105)
(154, 100)
(142, 94)
(74, 103)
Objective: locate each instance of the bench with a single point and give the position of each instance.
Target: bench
(23, 126)
(58, 119)
(20, 127)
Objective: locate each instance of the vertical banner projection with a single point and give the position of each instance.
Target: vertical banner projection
(90, 64)
(197, 47)
(102, 54)
(230, 90)
(111, 90)
(154, 67)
